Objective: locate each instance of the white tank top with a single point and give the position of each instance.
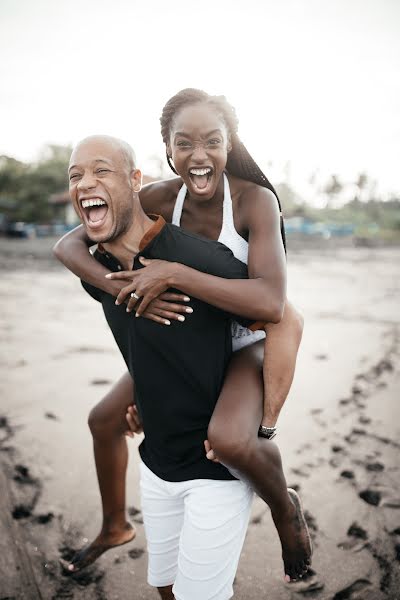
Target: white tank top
(241, 336)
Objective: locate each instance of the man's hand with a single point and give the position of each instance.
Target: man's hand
(210, 454)
(134, 422)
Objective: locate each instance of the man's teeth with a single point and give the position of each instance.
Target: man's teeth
(95, 202)
(200, 171)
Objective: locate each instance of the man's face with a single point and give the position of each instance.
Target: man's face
(101, 185)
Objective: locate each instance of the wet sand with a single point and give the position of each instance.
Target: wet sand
(339, 432)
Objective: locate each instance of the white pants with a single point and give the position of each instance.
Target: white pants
(195, 532)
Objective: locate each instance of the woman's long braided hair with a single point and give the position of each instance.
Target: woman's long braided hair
(239, 162)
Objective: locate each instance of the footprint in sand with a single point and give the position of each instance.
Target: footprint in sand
(135, 513)
(372, 497)
(357, 538)
(26, 492)
(353, 590)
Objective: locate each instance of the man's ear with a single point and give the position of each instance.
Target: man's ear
(136, 180)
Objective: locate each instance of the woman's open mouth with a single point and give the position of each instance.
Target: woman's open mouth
(95, 211)
(201, 179)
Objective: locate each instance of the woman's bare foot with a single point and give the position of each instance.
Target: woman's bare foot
(104, 541)
(295, 540)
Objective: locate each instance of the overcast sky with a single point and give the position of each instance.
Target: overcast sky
(314, 82)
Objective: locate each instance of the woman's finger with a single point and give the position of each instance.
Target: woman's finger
(170, 306)
(163, 314)
(121, 275)
(157, 318)
(171, 297)
(145, 301)
(133, 303)
(125, 292)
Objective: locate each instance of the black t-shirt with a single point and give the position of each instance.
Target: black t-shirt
(178, 370)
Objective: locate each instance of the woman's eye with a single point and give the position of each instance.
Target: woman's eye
(184, 144)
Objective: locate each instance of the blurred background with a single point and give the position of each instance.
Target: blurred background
(316, 88)
(315, 85)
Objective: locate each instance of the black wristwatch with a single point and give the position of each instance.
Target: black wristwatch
(267, 432)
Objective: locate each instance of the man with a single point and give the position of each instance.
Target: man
(195, 512)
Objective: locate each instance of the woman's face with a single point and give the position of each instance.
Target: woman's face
(199, 146)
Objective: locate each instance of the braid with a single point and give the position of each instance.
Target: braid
(240, 162)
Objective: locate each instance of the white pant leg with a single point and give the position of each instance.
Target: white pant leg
(215, 524)
(163, 514)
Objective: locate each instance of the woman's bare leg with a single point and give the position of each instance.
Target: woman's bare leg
(107, 424)
(280, 354)
(233, 435)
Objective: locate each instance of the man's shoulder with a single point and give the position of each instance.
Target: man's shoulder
(158, 197)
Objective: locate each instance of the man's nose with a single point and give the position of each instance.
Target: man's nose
(87, 181)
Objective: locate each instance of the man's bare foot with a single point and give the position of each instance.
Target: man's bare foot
(295, 541)
(104, 541)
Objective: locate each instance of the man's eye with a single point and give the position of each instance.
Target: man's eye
(103, 171)
(73, 176)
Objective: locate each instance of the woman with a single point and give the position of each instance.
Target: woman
(221, 184)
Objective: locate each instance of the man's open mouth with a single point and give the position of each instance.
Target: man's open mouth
(201, 178)
(95, 211)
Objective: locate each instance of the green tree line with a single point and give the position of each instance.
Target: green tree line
(25, 188)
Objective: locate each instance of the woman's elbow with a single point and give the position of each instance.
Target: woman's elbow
(57, 252)
(271, 310)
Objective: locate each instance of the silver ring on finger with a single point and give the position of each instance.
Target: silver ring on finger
(134, 295)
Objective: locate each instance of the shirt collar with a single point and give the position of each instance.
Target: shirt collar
(157, 226)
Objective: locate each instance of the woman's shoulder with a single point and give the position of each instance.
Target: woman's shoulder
(249, 197)
(159, 197)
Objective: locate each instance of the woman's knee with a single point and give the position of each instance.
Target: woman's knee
(296, 320)
(231, 445)
(102, 423)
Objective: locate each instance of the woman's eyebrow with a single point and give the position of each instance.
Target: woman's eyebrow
(183, 134)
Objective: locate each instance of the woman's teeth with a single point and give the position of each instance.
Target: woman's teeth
(200, 171)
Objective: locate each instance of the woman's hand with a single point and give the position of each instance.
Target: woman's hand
(146, 284)
(166, 308)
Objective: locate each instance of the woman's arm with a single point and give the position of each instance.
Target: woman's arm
(73, 251)
(261, 297)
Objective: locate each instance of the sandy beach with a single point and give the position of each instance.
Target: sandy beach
(339, 433)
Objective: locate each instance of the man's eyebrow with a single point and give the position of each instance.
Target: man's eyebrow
(97, 160)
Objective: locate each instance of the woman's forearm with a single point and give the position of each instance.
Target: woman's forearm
(250, 298)
(73, 251)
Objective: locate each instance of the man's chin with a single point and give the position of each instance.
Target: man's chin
(99, 235)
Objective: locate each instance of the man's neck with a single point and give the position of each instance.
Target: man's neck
(126, 246)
